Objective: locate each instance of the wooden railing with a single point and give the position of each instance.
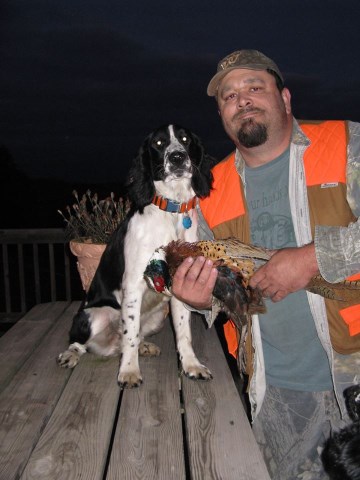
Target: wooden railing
(35, 268)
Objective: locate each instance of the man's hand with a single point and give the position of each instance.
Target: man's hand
(287, 271)
(194, 282)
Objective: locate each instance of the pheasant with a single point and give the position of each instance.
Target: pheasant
(236, 263)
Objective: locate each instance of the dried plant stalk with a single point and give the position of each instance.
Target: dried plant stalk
(94, 220)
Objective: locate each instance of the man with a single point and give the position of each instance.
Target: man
(295, 189)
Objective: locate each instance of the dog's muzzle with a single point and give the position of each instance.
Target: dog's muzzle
(178, 163)
(177, 158)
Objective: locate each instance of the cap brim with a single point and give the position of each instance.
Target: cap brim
(214, 82)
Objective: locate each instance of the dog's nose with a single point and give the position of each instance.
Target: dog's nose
(177, 158)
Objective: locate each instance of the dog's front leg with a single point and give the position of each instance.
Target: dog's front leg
(129, 373)
(191, 366)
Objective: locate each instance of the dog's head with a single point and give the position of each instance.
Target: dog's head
(352, 401)
(169, 154)
(341, 454)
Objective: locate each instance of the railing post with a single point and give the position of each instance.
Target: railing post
(22, 278)
(28, 270)
(6, 278)
(37, 273)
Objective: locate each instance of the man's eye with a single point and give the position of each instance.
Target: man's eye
(230, 96)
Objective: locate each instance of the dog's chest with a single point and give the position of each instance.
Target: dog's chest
(185, 225)
(152, 229)
(166, 226)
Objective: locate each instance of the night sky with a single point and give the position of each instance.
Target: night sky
(83, 82)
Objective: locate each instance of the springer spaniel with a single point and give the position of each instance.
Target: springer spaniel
(341, 454)
(171, 170)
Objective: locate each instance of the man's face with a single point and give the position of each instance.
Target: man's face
(251, 107)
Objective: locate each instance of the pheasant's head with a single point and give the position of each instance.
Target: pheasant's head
(157, 274)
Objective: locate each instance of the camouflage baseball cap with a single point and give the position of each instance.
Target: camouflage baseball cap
(251, 59)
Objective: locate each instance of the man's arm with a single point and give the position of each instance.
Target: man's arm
(338, 251)
(338, 248)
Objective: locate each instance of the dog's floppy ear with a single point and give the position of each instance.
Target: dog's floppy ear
(140, 184)
(202, 177)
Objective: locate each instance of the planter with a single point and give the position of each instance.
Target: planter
(88, 258)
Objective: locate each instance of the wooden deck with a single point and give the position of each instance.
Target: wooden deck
(63, 424)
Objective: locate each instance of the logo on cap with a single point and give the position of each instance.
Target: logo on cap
(231, 60)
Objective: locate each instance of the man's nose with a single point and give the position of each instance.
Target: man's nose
(243, 100)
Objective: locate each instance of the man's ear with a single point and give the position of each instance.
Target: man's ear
(286, 96)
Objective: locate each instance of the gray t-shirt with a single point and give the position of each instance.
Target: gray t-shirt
(294, 356)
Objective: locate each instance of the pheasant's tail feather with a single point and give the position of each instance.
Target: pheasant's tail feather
(346, 291)
(241, 358)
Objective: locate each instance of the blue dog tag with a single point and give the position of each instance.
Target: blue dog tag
(187, 222)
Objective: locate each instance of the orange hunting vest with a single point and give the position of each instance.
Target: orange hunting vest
(325, 160)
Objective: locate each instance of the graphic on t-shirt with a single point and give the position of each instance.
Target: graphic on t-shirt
(272, 231)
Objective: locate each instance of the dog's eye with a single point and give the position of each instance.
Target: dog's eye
(184, 139)
(159, 143)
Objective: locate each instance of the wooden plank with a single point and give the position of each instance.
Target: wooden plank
(220, 441)
(22, 339)
(76, 440)
(30, 398)
(148, 442)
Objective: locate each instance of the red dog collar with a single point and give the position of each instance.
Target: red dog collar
(172, 206)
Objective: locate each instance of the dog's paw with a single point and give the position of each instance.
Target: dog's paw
(197, 372)
(148, 349)
(129, 379)
(68, 359)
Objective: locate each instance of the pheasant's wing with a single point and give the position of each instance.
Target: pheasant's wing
(236, 297)
(232, 247)
(235, 254)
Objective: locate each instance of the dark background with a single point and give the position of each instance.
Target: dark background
(83, 82)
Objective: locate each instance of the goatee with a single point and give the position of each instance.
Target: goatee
(252, 134)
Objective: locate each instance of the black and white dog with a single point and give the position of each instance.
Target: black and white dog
(171, 170)
(341, 454)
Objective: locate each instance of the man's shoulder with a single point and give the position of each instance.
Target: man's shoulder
(225, 164)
